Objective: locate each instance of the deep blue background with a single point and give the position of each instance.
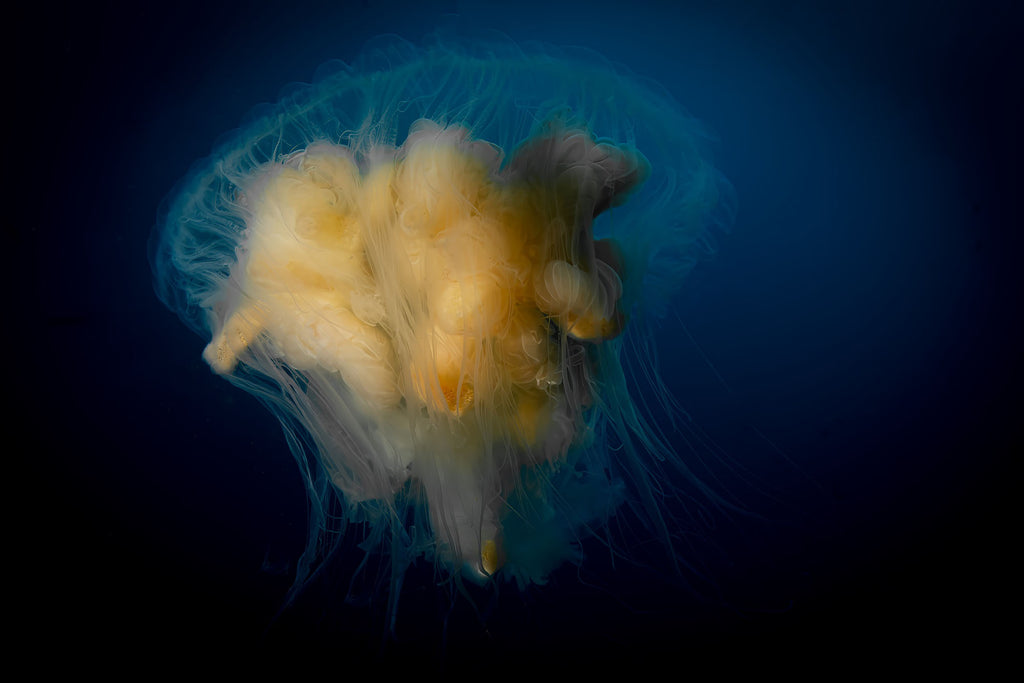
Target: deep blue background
(863, 319)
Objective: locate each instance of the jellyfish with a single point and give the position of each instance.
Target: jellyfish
(437, 266)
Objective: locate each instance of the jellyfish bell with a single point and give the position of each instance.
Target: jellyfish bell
(426, 265)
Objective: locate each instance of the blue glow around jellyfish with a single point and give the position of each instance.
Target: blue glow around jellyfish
(436, 267)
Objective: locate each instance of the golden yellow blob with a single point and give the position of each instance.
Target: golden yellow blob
(431, 278)
(490, 557)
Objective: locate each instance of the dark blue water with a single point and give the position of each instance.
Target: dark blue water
(856, 343)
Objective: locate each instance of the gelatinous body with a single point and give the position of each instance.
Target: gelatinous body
(426, 265)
